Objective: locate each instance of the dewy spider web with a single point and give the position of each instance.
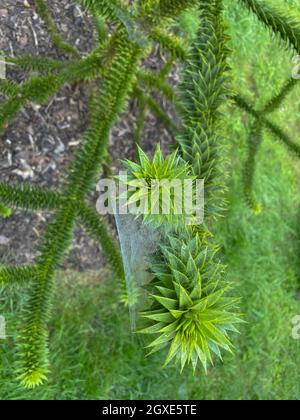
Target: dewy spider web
(138, 242)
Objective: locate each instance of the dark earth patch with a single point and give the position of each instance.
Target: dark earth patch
(38, 145)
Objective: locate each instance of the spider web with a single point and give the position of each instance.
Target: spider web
(138, 242)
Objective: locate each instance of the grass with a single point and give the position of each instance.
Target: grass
(93, 353)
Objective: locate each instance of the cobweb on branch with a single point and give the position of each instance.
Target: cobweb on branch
(138, 243)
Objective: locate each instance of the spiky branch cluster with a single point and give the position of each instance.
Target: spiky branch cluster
(203, 90)
(284, 23)
(190, 311)
(115, 61)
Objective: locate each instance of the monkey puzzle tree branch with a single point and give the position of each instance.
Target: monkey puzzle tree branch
(17, 275)
(283, 21)
(109, 9)
(8, 88)
(275, 102)
(39, 64)
(164, 9)
(151, 81)
(243, 104)
(29, 197)
(156, 110)
(170, 42)
(140, 121)
(203, 90)
(38, 89)
(253, 143)
(282, 136)
(162, 115)
(97, 228)
(56, 38)
(188, 281)
(83, 172)
(4, 211)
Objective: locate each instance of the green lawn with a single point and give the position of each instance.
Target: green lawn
(93, 352)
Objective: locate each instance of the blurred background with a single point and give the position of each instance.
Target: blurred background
(94, 354)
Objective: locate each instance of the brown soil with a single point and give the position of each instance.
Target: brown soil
(38, 145)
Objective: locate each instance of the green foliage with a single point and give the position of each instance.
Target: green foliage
(4, 211)
(38, 89)
(283, 21)
(190, 310)
(155, 10)
(147, 84)
(95, 338)
(116, 61)
(189, 313)
(202, 91)
(106, 8)
(98, 229)
(152, 81)
(188, 24)
(170, 43)
(8, 88)
(151, 187)
(140, 121)
(42, 65)
(33, 336)
(55, 36)
(278, 99)
(17, 275)
(273, 128)
(254, 142)
(28, 197)
(156, 110)
(161, 114)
